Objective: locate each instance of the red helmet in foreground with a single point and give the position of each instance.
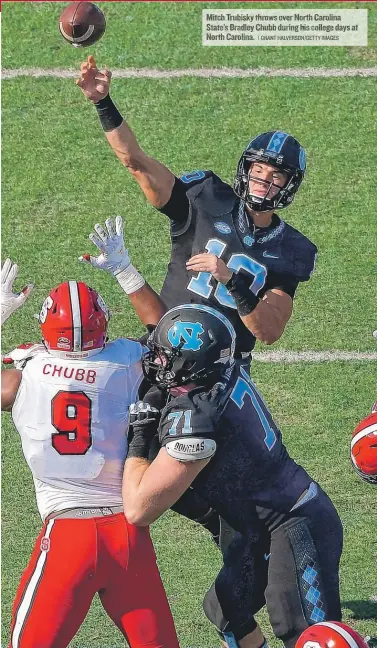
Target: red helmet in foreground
(330, 634)
(364, 449)
(74, 321)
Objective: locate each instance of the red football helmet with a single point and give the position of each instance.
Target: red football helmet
(364, 449)
(74, 321)
(330, 634)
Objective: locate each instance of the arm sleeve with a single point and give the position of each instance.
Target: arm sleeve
(177, 208)
(286, 282)
(305, 259)
(303, 256)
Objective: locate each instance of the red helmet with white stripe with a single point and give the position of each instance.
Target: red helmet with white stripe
(74, 321)
(330, 634)
(364, 449)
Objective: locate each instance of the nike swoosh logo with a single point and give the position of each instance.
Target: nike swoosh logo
(266, 556)
(269, 256)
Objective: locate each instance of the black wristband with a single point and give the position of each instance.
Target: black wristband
(239, 288)
(108, 114)
(140, 445)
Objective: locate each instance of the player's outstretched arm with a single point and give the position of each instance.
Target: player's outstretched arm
(10, 300)
(147, 305)
(10, 382)
(115, 259)
(154, 178)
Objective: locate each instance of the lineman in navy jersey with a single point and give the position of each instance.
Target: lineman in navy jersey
(218, 437)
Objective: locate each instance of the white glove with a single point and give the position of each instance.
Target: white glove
(114, 256)
(19, 357)
(11, 301)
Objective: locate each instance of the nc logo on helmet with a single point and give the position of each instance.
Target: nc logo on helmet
(189, 333)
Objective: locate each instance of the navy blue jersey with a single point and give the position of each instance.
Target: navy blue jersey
(278, 256)
(250, 472)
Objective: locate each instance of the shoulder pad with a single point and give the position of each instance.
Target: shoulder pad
(212, 195)
(191, 449)
(305, 261)
(195, 177)
(189, 420)
(132, 347)
(303, 253)
(203, 408)
(22, 354)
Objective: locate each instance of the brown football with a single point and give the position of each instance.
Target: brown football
(82, 24)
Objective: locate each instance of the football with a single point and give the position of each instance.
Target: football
(82, 24)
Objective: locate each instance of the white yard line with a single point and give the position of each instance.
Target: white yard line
(206, 73)
(150, 73)
(313, 356)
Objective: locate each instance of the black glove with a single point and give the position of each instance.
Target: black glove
(239, 287)
(144, 420)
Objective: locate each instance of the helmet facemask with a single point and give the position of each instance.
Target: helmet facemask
(199, 352)
(281, 151)
(158, 364)
(284, 195)
(168, 368)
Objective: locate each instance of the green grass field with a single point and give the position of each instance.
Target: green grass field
(59, 177)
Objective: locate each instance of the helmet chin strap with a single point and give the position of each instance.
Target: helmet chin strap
(255, 207)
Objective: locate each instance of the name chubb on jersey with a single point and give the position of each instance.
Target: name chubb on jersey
(70, 373)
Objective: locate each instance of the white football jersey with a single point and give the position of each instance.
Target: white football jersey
(72, 416)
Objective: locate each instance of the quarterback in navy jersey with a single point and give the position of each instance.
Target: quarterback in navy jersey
(229, 247)
(212, 228)
(218, 437)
